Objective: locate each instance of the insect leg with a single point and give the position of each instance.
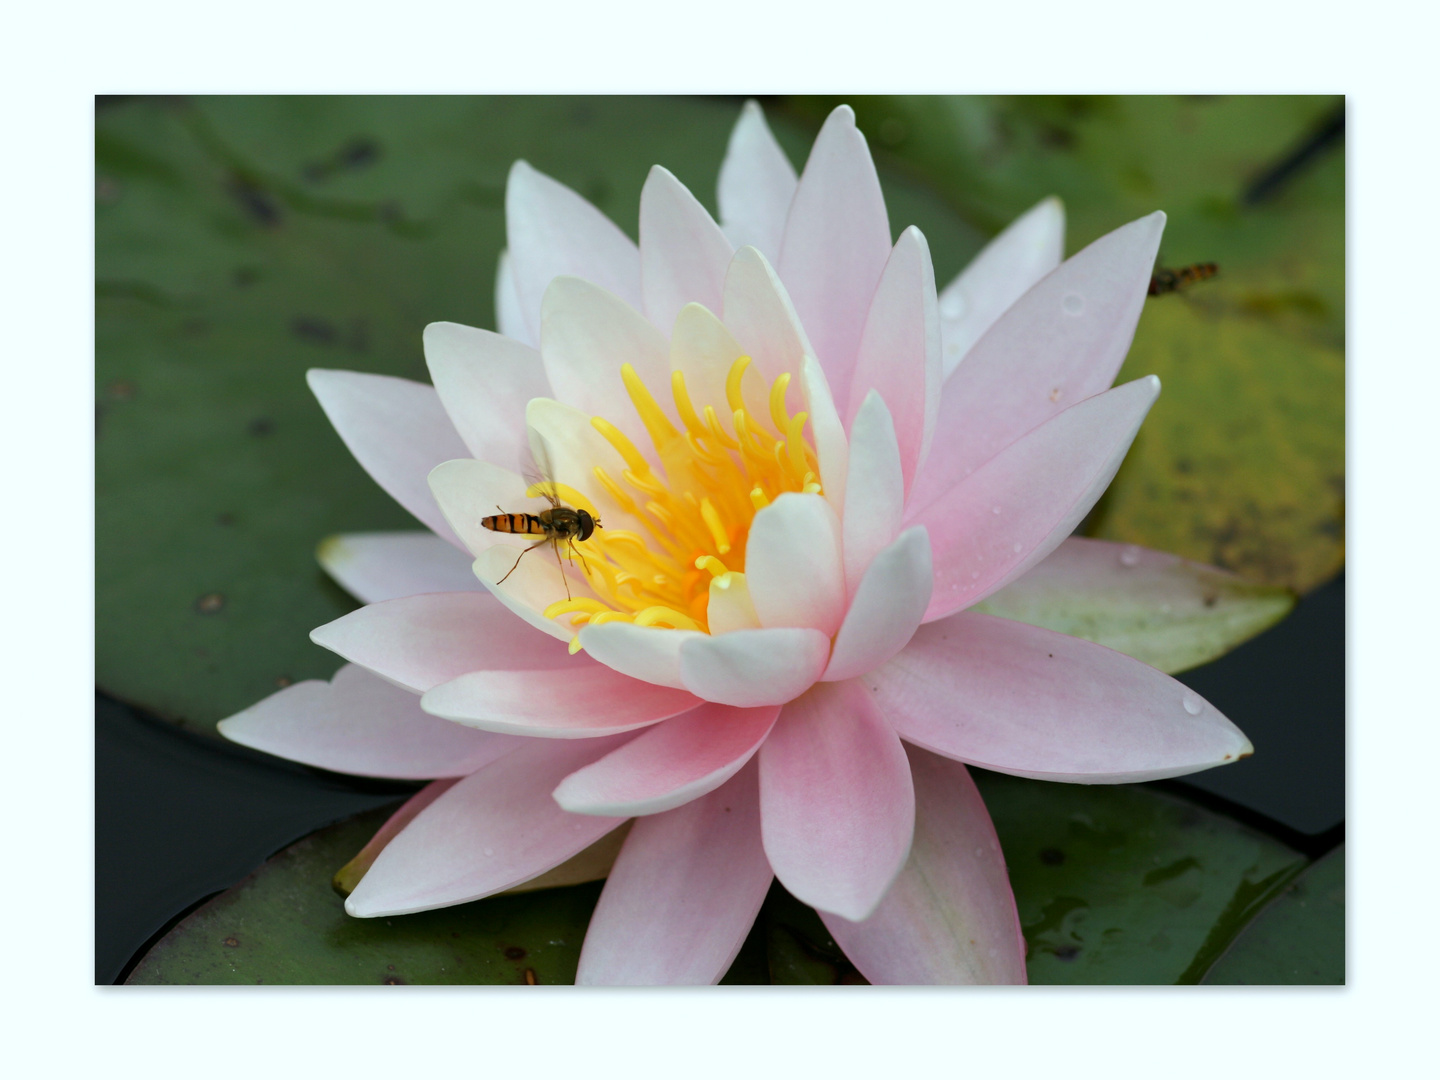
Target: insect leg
(585, 565)
(556, 545)
(522, 554)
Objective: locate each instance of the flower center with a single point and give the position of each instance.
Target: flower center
(696, 510)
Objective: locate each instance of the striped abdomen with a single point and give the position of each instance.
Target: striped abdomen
(525, 524)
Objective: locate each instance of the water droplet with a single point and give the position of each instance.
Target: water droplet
(1130, 556)
(1073, 304)
(994, 510)
(489, 851)
(1017, 547)
(974, 573)
(952, 305)
(1193, 704)
(979, 852)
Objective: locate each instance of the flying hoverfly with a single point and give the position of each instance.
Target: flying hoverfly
(558, 525)
(1164, 281)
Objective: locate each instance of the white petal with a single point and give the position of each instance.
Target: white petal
(382, 566)
(793, 564)
(887, 609)
(649, 653)
(683, 253)
(749, 668)
(756, 184)
(874, 489)
(831, 449)
(509, 317)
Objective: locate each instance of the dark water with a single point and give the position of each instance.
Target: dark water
(181, 816)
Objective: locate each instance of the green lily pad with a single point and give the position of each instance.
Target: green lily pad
(285, 924)
(1299, 940)
(1126, 884)
(242, 240)
(1241, 462)
(1119, 885)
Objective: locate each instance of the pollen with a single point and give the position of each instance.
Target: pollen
(694, 498)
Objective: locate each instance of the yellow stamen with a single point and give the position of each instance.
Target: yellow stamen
(575, 645)
(758, 499)
(579, 603)
(657, 424)
(664, 616)
(683, 406)
(712, 424)
(617, 438)
(732, 383)
(794, 442)
(777, 401)
(716, 527)
(712, 564)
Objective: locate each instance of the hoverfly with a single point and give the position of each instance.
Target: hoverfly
(1164, 281)
(557, 525)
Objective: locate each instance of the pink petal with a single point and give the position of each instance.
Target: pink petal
(398, 432)
(567, 449)
(1062, 342)
(509, 316)
(837, 807)
(649, 653)
(358, 723)
(671, 764)
(349, 875)
(950, 918)
(900, 350)
(793, 564)
(750, 668)
(530, 585)
(553, 232)
(1027, 701)
(683, 253)
(682, 895)
(704, 350)
(493, 830)
(831, 448)
(382, 566)
(419, 642)
(730, 607)
(468, 491)
(484, 381)
(756, 184)
(586, 336)
(887, 608)
(837, 241)
(759, 313)
(1029, 248)
(874, 489)
(583, 703)
(1018, 506)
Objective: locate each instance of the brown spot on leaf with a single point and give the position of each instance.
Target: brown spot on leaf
(210, 603)
(515, 952)
(232, 942)
(530, 979)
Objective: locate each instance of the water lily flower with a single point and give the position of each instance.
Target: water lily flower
(807, 466)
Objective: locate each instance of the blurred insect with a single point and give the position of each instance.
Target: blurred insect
(1164, 281)
(557, 525)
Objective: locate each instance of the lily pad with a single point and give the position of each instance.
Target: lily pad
(1298, 940)
(1241, 462)
(242, 240)
(285, 924)
(1114, 885)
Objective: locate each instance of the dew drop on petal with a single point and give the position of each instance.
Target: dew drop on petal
(1193, 704)
(974, 573)
(952, 305)
(994, 510)
(489, 851)
(1130, 556)
(1017, 547)
(1073, 304)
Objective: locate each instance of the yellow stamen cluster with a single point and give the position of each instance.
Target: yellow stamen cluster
(695, 510)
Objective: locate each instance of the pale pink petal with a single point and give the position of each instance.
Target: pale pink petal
(509, 316)
(750, 668)
(649, 653)
(468, 491)
(874, 489)
(419, 642)
(1018, 507)
(529, 583)
(586, 336)
(553, 232)
(484, 381)
(837, 240)
(1029, 248)
(583, 703)
(887, 608)
(793, 564)
(349, 875)
(672, 763)
(382, 566)
(837, 807)
(683, 894)
(950, 918)
(1169, 612)
(832, 451)
(730, 607)
(358, 723)
(900, 350)
(703, 350)
(759, 313)
(397, 430)
(493, 830)
(756, 184)
(1018, 699)
(683, 253)
(1060, 343)
(567, 449)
